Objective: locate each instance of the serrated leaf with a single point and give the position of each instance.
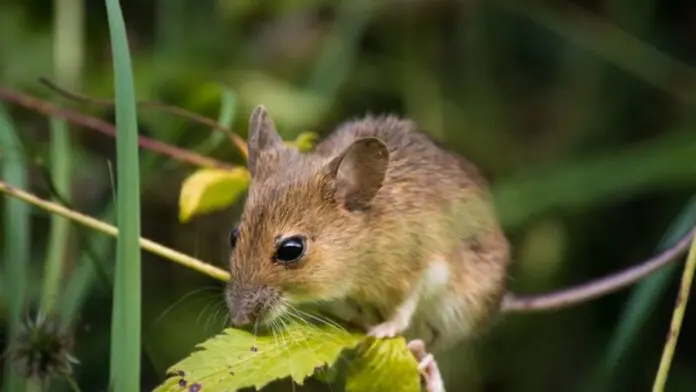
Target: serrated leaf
(237, 359)
(209, 190)
(385, 366)
(304, 141)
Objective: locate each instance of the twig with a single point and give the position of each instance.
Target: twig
(677, 318)
(106, 228)
(104, 127)
(177, 111)
(597, 288)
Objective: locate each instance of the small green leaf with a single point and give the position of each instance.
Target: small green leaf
(304, 141)
(209, 190)
(385, 366)
(237, 359)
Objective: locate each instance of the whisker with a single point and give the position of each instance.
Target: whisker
(221, 307)
(214, 303)
(285, 345)
(178, 301)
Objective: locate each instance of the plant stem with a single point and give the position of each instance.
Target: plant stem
(105, 128)
(68, 53)
(103, 227)
(677, 318)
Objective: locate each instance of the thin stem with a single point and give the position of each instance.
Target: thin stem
(677, 318)
(95, 224)
(104, 127)
(238, 142)
(68, 54)
(596, 288)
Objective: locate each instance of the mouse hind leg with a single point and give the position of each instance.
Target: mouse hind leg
(427, 367)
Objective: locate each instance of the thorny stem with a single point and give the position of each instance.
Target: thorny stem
(104, 127)
(537, 302)
(596, 288)
(238, 142)
(677, 318)
(106, 228)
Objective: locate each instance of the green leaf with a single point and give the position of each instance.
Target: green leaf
(126, 316)
(385, 366)
(16, 237)
(209, 190)
(237, 359)
(304, 141)
(228, 107)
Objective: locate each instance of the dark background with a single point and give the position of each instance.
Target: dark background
(580, 113)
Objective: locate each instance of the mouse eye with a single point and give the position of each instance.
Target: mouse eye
(290, 250)
(234, 234)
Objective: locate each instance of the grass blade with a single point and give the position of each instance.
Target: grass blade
(17, 236)
(125, 324)
(68, 59)
(228, 109)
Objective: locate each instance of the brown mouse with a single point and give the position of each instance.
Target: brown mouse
(378, 223)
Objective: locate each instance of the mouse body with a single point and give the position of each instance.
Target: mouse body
(378, 225)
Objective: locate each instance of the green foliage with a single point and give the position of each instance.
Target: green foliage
(126, 315)
(237, 359)
(228, 109)
(574, 115)
(385, 365)
(17, 237)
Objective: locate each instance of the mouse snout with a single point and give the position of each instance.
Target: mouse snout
(247, 303)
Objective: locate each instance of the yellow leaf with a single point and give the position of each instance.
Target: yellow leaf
(384, 366)
(209, 190)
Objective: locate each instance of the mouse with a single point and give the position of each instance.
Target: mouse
(379, 225)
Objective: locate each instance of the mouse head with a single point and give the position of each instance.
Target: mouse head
(303, 223)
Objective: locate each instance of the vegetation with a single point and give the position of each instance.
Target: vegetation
(579, 114)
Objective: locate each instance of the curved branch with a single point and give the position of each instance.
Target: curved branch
(177, 111)
(596, 288)
(106, 128)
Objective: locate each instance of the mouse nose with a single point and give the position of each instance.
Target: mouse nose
(246, 303)
(242, 318)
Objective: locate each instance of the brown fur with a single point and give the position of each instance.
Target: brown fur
(377, 201)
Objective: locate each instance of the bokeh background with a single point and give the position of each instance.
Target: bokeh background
(581, 114)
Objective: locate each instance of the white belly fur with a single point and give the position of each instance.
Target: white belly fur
(439, 308)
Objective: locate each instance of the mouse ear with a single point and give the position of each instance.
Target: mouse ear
(262, 135)
(359, 172)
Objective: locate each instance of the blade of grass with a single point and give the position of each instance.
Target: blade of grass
(17, 231)
(125, 326)
(228, 108)
(640, 305)
(677, 319)
(68, 59)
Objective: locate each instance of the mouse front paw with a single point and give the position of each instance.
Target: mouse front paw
(388, 329)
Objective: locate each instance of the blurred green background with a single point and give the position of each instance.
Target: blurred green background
(581, 113)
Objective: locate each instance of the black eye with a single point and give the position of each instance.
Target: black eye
(234, 234)
(290, 250)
